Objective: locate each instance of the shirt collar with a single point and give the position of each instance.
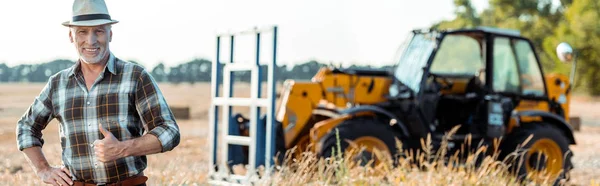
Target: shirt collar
(110, 65)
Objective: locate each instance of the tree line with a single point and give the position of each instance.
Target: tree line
(545, 22)
(197, 70)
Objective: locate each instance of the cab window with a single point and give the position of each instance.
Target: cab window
(532, 82)
(458, 55)
(505, 70)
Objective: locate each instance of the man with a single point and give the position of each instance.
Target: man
(104, 106)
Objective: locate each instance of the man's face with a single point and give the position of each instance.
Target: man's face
(91, 42)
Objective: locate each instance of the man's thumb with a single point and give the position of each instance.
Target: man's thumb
(105, 132)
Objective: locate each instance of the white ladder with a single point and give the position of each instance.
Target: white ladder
(219, 136)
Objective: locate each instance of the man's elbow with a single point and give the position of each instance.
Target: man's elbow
(27, 138)
(168, 136)
(176, 139)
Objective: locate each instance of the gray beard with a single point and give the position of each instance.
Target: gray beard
(95, 62)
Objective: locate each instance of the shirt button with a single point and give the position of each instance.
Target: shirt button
(88, 102)
(91, 145)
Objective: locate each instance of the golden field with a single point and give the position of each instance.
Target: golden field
(187, 164)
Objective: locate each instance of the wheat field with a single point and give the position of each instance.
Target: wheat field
(188, 163)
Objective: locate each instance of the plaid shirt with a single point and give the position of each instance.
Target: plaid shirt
(125, 99)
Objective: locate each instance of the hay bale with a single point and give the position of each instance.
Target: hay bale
(575, 123)
(181, 112)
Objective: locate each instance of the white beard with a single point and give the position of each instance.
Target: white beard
(95, 60)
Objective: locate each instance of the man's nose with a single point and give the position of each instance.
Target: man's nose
(91, 39)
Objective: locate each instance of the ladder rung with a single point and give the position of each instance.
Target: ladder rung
(238, 140)
(261, 102)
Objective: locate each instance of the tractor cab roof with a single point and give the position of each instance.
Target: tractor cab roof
(490, 30)
(485, 30)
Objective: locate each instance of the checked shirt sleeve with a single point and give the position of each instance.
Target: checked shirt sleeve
(34, 120)
(155, 112)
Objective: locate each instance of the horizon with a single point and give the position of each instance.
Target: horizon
(345, 32)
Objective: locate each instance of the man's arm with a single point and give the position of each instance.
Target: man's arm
(163, 134)
(48, 174)
(36, 158)
(155, 113)
(29, 138)
(34, 120)
(110, 148)
(147, 144)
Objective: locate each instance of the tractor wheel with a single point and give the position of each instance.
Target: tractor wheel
(279, 143)
(365, 134)
(545, 155)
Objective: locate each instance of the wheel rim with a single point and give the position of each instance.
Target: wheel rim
(363, 148)
(544, 158)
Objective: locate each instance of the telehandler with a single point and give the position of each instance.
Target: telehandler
(487, 81)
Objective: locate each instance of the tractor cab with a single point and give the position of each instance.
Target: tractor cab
(474, 78)
(489, 83)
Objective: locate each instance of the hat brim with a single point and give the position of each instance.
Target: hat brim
(89, 22)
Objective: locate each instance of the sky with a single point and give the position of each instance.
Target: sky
(177, 31)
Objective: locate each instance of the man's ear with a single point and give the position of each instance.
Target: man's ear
(70, 36)
(110, 39)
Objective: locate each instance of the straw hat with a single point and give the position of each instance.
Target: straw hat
(89, 13)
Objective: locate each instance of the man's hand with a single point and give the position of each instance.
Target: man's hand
(109, 148)
(55, 176)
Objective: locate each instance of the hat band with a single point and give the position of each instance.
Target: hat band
(88, 17)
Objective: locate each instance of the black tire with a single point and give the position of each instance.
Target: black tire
(539, 131)
(279, 143)
(360, 127)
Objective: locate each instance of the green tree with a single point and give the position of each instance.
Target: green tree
(466, 16)
(159, 73)
(547, 24)
(535, 19)
(581, 29)
(4, 72)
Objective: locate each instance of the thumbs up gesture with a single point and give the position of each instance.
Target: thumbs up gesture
(109, 148)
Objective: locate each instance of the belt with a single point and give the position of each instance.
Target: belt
(131, 181)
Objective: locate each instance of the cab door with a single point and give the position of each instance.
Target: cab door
(516, 71)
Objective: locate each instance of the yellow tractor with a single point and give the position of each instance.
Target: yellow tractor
(487, 81)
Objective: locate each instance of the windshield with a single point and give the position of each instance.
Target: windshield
(412, 58)
(458, 55)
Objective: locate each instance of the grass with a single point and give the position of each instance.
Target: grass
(187, 166)
(427, 167)
(188, 163)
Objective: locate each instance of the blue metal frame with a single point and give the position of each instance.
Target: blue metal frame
(260, 132)
(265, 130)
(233, 150)
(216, 82)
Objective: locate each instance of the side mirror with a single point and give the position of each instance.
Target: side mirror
(564, 52)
